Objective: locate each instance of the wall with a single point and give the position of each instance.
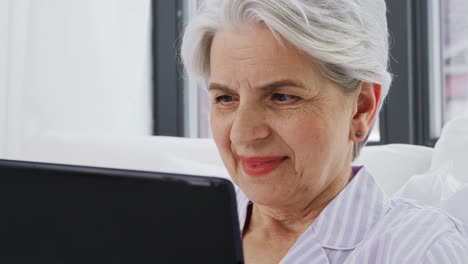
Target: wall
(74, 66)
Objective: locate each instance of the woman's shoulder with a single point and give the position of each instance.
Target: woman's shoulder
(412, 217)
(407, 212)
(448, 248)
(413, 232)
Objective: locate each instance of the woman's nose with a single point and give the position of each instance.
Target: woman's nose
(249, 126)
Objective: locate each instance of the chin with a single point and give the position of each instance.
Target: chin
(262, 195)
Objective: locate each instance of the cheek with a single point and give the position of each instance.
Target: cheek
(309, 138)
(219, 130)
(221, 127)
(302, 127)
(319, 142)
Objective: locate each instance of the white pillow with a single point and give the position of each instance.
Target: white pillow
(445, 185)
(428, 187)
(453, 146)
(440, 189)
(392, 165)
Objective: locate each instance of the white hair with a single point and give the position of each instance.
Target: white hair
(348, 39)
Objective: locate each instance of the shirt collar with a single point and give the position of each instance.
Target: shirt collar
(242, 207)
(348, 218)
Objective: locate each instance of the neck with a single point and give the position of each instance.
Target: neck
(296, 218)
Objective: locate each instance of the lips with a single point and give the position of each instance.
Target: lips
(257, 166)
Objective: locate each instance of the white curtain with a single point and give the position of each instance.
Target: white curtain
(4, 18)
(73, 65)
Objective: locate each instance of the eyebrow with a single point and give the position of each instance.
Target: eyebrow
(273, 86)
(218, 87)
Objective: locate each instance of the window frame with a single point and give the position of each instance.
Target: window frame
(406, 112)
(167, 76)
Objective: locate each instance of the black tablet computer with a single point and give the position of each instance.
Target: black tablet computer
(53, 213)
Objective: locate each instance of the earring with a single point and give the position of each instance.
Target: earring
(359, 134)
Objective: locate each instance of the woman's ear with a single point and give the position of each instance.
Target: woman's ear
(367, 108)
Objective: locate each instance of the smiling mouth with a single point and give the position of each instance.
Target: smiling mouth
(258, 166)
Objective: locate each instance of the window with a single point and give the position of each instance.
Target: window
(448, 52)
(455, 58)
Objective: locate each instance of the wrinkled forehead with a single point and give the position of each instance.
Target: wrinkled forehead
(257, 55)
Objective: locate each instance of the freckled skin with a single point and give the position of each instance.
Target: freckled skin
(311, 128)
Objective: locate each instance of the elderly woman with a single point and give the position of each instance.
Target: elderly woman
(296, 86)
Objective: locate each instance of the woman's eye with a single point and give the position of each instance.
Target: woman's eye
(284, 98)
(224, 99)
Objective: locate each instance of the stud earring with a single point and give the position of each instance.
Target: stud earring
(359, 134)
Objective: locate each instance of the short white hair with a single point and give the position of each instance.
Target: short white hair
(347, 39)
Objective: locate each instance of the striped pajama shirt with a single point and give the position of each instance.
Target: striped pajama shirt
(362, 225)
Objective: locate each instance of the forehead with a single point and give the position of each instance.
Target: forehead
(254, 54)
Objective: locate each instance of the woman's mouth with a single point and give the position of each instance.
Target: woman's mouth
(257, 166)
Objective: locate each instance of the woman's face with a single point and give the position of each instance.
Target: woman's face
(281, 127)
